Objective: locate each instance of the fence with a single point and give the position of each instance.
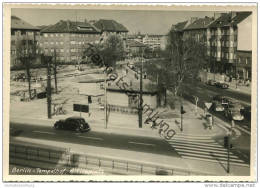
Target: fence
(122, 109)
(46, 158)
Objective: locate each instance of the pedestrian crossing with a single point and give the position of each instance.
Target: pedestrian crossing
(204, 149)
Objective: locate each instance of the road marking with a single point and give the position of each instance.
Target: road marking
(43, 132)
(140, 143)
(242, 129)
(89, 137)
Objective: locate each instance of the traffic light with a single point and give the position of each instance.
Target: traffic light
(226, 141)
(182, 110)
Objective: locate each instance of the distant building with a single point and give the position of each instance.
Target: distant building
(108, 27)
(155, 41)
(68, 39)
(21, 31)
(134, 48)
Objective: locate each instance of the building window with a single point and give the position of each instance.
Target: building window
(45, 35)
(239, 60)
(61, 50)
(52, 50)
(61, 35)
(61, 43)
(51, 35)
(56, 34)
(52, 43)
(72, 42)
(46, 43)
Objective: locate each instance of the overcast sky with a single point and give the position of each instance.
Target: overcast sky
(151, 22)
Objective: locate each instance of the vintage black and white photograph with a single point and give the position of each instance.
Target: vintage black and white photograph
(125, 92)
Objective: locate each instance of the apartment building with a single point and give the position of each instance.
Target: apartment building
(220, 34)
(222, 37)
(108, 27)
(155, 41)
(244, 49)
(68, 39)
(21, 31)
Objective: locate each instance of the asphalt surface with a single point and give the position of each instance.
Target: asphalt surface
(206, 92)
(242, 144)
(92, 138)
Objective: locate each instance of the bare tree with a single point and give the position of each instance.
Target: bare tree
(186, 58)
(26, 54)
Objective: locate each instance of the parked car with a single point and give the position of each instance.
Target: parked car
(222, 85)
(77, 124)
(211, 82)
(246, 112)
(233, 112)
(218, 107)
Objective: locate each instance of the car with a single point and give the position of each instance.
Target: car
(77, 124)
(246, 112)
(233, 112)
(218, 107)
(222, 85)
(224, 100)
(211, 82)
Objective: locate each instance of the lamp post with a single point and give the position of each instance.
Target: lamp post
(140, 109)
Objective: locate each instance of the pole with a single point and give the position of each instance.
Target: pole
(181, 120)
(141, 95)
(48, 89)
(105, 95)
(55, 72)
(236, 71)
(228, 165)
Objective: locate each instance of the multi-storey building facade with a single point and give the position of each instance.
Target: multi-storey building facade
(154, 41)
(222, 41)
(68, 40)
(244, 48)
(221, 37)
(21, 31)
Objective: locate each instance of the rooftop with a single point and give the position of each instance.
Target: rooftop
(71, 27)
(18, 23)
(227, 20)
(110, 25)
(179, 26)
(200, 23)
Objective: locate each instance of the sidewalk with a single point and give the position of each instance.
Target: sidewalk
(193, 125)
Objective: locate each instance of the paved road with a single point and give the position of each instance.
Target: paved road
(99, 139)
(205, 94)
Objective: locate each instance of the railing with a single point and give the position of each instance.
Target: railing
(67, 159)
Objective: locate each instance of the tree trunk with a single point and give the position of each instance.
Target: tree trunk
(29, 80)
(165, 97)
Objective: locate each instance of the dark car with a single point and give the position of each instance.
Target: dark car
(222, 85)
(77, 124)
(211, 82)
(233, 111)
(224, 100)
(246, 112)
